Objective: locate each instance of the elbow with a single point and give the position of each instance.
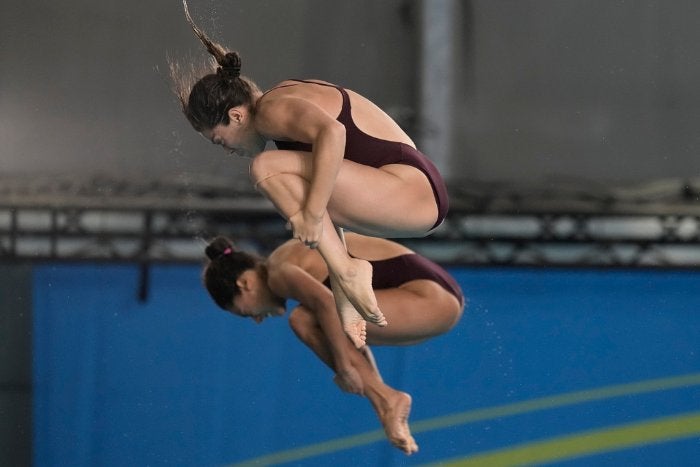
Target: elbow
(334, 133)
(304, 323)
(322, 306)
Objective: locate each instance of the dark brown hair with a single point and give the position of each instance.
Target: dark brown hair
(206, 102)
(226, 264)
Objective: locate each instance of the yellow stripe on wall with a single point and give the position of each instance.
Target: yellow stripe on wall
(559, 400)
(587, 443)
(488, 413)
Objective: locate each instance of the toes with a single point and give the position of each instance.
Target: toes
(408, 446)
(381, 322)
(358, 342)
(377, 317)
(357, 334)
(412, 447)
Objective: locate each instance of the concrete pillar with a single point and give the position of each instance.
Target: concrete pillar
(438, 23)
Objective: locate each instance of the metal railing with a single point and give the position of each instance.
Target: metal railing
(656, 225)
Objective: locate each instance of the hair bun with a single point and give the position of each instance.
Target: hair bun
(219, 247)
(230, 65)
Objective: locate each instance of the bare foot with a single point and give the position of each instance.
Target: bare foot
(395, 422)
(352, 322)
(354, 326)
(356, 283)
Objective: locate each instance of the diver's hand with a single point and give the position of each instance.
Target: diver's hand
(306, 227)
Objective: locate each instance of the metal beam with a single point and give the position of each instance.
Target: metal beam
(655, 225)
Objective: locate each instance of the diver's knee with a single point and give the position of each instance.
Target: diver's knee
(263, 166)
(301, 320)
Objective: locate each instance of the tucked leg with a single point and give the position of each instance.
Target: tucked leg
(352, 276)
(391, 406)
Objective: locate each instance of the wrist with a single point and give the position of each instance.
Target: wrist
(314, 214)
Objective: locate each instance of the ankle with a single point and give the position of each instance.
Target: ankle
(350, 269)
(380, 395)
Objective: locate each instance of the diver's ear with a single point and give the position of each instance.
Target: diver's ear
(243, 283)
(245, 280)
(237, 114)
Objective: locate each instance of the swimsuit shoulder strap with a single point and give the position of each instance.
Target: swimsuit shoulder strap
(345, 116)
(283, 86)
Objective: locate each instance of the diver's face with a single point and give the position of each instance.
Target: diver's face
(255, 301)
(238, 136)
(248, 305)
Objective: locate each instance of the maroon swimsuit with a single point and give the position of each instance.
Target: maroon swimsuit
(374, 152)
(392, 272)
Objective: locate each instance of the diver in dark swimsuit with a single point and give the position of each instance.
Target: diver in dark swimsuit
(372, 182)
(419, 298)
(374, 152)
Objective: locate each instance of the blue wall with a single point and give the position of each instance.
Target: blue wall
(599, 364)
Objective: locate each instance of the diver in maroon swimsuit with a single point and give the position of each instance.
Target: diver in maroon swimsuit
(419, 298)
(374, 152)
(358, 169)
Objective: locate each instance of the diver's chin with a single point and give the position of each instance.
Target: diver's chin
(278, 311)
(272, 311)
